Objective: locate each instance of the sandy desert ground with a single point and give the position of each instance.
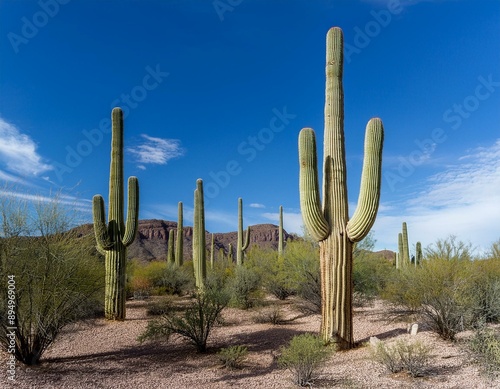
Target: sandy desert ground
(104, 354)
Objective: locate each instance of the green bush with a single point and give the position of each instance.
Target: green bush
(273, 316)
(271, 270)
(244, 287)
(485, 349)
(412, 358)
(55, 277)
(195, 322)
(233, 356)
(160, 307)
(440, 290)
(485, 289)
(304, 355)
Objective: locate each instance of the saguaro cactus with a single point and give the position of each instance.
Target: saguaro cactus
(400, 259)
(212, 253)
(114, 237)
(280, 233)
(199, 249)
(328, 223)
(418, 253)
(170, 247)
(179, 249)
(406, 248)
(240, 245)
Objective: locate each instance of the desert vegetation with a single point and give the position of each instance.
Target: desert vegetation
(295, 305)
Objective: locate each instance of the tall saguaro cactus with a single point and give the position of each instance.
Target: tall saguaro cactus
(179, 249)
(280, 233)
(114, 237)
(328, 222)
(170, 247)
(406, 248)
(240, 245)
(199, 249)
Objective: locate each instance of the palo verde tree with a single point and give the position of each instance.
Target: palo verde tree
(113, 238)
(328, 222)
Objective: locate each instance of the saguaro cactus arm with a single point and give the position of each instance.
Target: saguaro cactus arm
(366, 211)
(102, 237)
(179, 250)
(132, 211)
(310, 203)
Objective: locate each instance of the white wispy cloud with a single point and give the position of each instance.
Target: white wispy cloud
(18, 152)
(156, 151)
(463, 200)
(292, 221)
(257, 205)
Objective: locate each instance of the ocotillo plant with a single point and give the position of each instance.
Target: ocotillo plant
(199, 249)
(170, 247)
(240, 245)
(114, 237)
(329, 223)
(179, 249)
(280, 233)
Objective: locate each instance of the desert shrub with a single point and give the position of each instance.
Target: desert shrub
(440, 290)
(244, 287)
(484, 346)
(303, 356)
(195, 322)
(177, 280)
(233, 356)
(370, 276)
(485, 289)
(303, 271)
(160, 307)
(413, 358)
(449, 249)
(58, 279)
(158, 278)
(273, 316)
(271, 270)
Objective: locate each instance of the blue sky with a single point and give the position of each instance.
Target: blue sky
(219, 90)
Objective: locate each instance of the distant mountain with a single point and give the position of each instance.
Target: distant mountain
(151, 241)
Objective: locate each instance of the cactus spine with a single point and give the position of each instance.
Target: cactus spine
(114, 237)
(329, 223)
(179, 249)
(199, 249)
(280, 233)
(240, 245)
(170, 247)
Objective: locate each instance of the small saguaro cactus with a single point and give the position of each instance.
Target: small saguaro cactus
(170, 247)
(328, 223)
(199, 249)
(230, 254)
(114, 237)
(179, 249)
(240, 245)
(406, 247)
(280, 233)
(400, 258)
(212, 253)
(418, 253)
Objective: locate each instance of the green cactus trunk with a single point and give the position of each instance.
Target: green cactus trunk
(179, 249)
(240, 245)
(114, 237)
(280, 234)
(329, 223)
(199, 243)
(170, 247)
(418, 253)
(406, 248)
(401, 256)
(230, 254)
(212, 253)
